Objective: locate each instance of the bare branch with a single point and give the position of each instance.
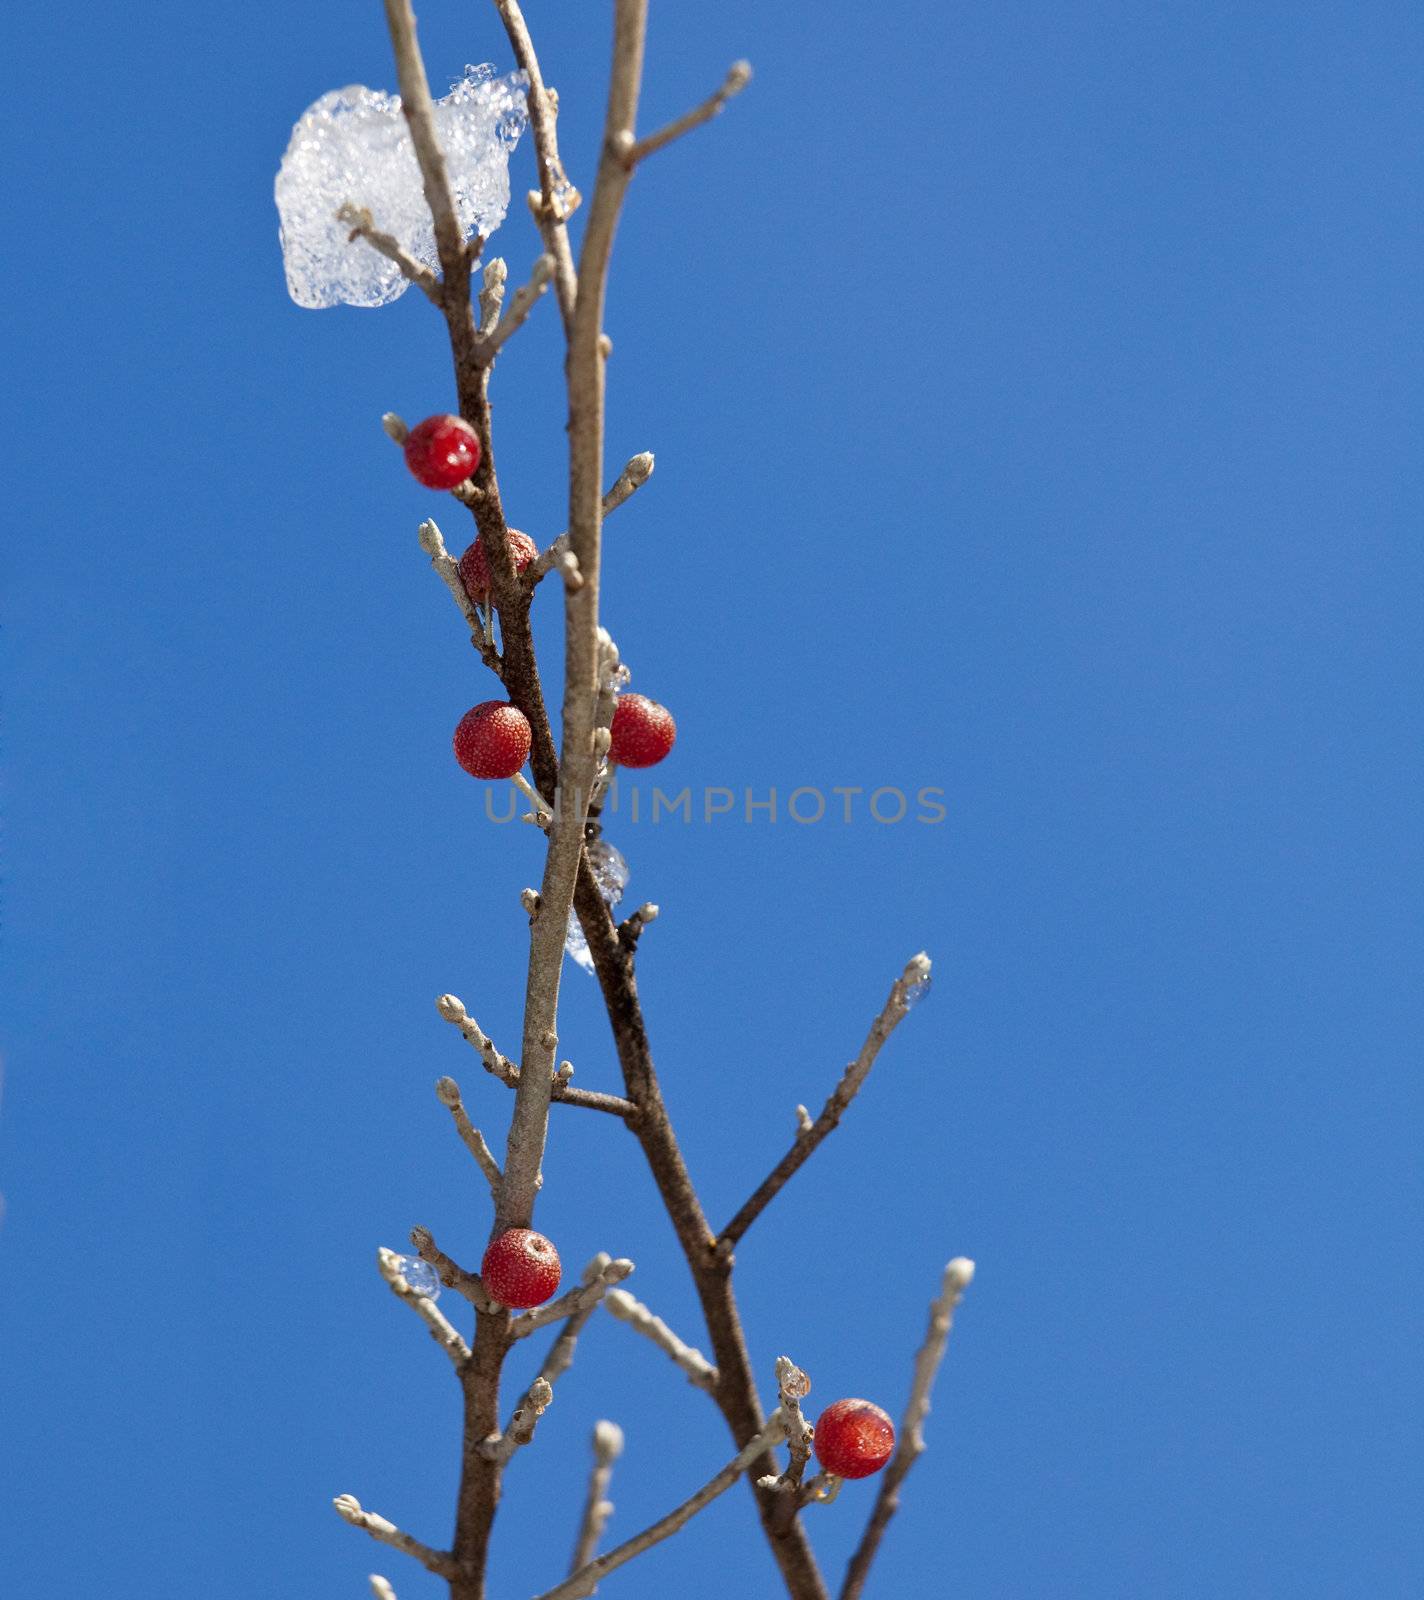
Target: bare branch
(363, 226)
(437, 1561)
(520, 1430)
(577, 1307)
(425, 1308)
(557, 197)
(594, 1100)
(793, 1386)
(597, 1508)
(910, 1441)
(631, 929)
(451, 1273)
(448, 1092)
(494, 279)
(626, 1308)
(419, 111)
(739, 75)
(629, 481)
(896, 1008)
(452, 1008)
(587, 1578)
(432, 541)
(598, 1277)
(521, 304)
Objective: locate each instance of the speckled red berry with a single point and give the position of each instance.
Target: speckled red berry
(521, 1268)
(642, 733)
(854, 1438)
(474, 568)
(492, 740)
(442, 451)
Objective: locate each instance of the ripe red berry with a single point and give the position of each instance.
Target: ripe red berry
(492, 740)
(474, 568)
(521, 1268)
(442, 451)
(642, 733)
(853, 1438)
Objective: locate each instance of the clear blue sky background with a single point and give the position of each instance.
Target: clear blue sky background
(1033, 390)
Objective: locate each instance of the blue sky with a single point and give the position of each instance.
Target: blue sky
(1032, 389)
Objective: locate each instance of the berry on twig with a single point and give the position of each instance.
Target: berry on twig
(442, 451)
(853, 1438)
(492, 740)
(642, 732)
(521, 1268)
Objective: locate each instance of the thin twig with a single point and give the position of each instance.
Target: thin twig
(630, 930)
(594, 1100)
(578, 759)
(598, 1277)
(910, 1442)
(587, 1578)
(627, 1308)
(452, 1008)
(451, 1273)
(492, 286)
(739, 75)
(597, 1507)
(419, 111)
(432, 541)
(520, 1428)
(363, 226)
(441, 1330)
(437, 1561)
(895, 1010)
(793, 1386)
(557, 197)
(629, 481)
(521, 303)
(500, 1447)
(448, 1092)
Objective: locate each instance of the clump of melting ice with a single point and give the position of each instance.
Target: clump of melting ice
(610, 873)
(353, 148)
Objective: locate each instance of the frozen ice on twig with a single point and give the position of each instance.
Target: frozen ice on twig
(610, 873)
(353, 148)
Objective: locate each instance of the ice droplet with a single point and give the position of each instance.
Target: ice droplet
(420, 1277)
(352, 147)
(915, 992)
(610, 872)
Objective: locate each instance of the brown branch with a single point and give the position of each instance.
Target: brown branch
(736, 1391)
(363, 226)
(910, 1442)
(809, 1138)
(451, 1273)
(577, 766)
(556, 198)
(739, 75)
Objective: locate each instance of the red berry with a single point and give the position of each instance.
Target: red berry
(642, 733)
(521, 1268)
(442, 451)
(492, 740)
(854, 1438)
(474, 568)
